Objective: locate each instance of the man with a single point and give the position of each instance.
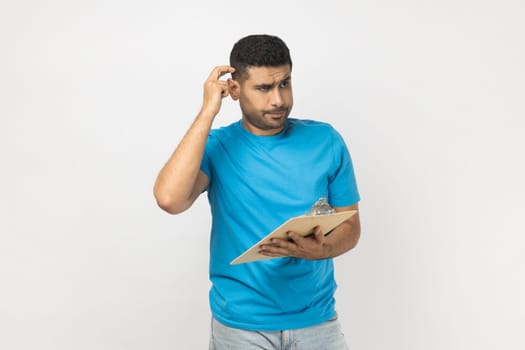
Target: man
(259, 172)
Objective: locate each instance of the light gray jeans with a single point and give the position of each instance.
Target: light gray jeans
(325, 336)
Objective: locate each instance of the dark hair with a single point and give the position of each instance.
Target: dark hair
(258, 50)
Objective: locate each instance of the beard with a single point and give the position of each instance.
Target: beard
(273, 119)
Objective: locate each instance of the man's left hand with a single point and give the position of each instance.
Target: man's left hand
(311, 247)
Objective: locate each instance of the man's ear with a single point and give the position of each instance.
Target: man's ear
(234, 88)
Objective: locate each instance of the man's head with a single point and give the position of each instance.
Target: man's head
(262, 83)
(258, 50)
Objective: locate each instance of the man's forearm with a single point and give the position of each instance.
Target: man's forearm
(175, 183)
(343, 238)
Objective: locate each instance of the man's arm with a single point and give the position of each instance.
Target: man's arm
(180, 181)
(318, 246)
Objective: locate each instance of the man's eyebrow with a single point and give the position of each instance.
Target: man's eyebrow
(286, 79)
(264, 85)
(269, 85)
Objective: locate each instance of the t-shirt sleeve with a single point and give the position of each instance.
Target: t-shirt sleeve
(342, 183)
(206, 159)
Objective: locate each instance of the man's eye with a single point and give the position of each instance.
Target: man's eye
(285, 84)
(262, 88)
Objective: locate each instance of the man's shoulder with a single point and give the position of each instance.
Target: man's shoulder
(224, 132)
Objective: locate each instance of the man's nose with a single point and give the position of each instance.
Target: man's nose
(276, 98)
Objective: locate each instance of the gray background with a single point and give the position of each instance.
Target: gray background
(95, 95)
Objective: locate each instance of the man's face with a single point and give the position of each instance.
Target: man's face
(265, 98)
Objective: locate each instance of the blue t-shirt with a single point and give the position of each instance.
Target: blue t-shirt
(256, 184)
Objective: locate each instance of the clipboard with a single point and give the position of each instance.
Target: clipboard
(303, 225)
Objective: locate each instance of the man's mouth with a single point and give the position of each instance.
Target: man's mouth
(276, 113)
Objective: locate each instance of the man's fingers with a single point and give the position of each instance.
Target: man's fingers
(224, 88)
(214, 85)
(318, 233)
(219, 71)
(277, 247)
(294, 237)
(273, 251)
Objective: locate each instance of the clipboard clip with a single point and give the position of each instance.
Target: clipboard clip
(321, 207)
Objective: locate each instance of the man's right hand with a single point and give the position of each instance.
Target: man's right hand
(215, 90)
